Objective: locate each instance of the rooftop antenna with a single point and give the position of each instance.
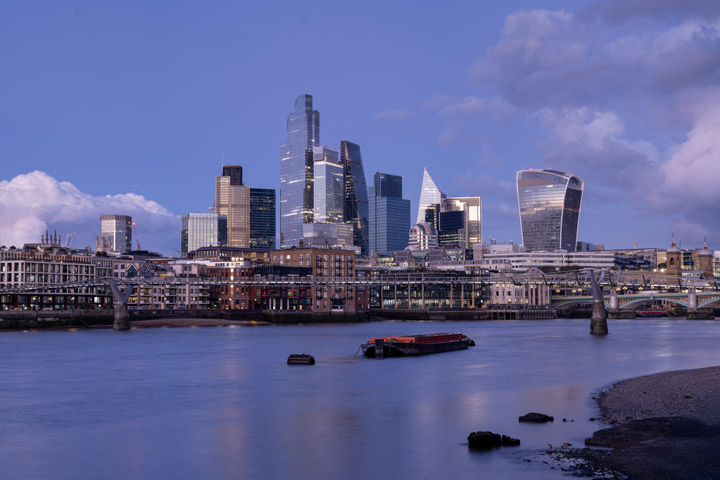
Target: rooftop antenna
(222, 160)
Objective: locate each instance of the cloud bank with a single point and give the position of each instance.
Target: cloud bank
(36, 201)
(626, 94)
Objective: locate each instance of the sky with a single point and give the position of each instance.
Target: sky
(130, 107)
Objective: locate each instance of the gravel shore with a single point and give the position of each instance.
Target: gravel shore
(664, 426)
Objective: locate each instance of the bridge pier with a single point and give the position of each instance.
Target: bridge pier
(598, 321)
(120, 299)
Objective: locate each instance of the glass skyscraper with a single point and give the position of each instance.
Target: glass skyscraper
(549, 203)
(471, 208)
(356, 194)
(430, 194)
(296, 171)
(328, 186)
(262, 218)
(199, 230)
(389, 214)
(116, 232)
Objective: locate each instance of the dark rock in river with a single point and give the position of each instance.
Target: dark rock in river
(536, 418)
(489, 440)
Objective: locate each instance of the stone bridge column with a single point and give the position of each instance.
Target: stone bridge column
(692, 299)
(598, 322)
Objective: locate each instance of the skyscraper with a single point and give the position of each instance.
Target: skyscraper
(430, 194)
(202, 230)
(470, 218)
(389, 214)
(232, 199)
(549, 203)
(262, 218)
(296, 171)
(356, 194)
(328, 186)
(116, 231)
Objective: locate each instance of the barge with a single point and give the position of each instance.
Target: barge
(399, 346)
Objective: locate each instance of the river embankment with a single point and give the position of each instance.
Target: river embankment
(660, 426)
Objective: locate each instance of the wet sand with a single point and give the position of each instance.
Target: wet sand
(664, 426)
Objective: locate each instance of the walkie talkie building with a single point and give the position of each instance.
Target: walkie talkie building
(549, 203)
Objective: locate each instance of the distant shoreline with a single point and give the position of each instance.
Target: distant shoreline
(665, 425)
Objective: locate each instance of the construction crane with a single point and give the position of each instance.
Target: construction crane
(69, 237)
(137, 239)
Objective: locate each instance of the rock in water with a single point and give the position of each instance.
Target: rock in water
(488, 440)
(484, 440)
(536, 418)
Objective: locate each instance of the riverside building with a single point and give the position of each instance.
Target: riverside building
(549, 203)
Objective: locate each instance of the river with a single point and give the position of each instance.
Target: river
(221, 403)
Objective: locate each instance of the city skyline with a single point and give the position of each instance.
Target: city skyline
(640, 150)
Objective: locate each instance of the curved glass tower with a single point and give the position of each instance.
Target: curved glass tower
(549, 203)
(296, 171)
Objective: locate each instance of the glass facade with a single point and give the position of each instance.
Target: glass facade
(356, 195)
(296, 171)
(116, 231)
(262, 218)
(389, 220)
(328, 186)
(199, 230)
(472, 212)
(549, 203)
(430, 194)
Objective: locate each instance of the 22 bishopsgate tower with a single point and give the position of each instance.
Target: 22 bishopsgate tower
(296, 171)
(549, 203)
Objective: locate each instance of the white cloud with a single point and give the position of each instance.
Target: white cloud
(34, 202)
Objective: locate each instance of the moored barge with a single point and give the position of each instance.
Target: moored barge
(398, 346)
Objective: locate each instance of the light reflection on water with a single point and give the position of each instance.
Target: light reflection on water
(222, 403)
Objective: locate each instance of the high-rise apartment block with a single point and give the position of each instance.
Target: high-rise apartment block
(356, 194)
(328, 186)
(549, 203)
(389, 214)
(232, 199)
(296, 171)
(116, 232)
(199, 230)
(262, 218)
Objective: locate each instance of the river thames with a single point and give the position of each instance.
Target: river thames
(221, 403)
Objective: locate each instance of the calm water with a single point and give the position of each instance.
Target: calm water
(221, 402)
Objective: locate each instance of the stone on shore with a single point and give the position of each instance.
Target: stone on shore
(535, 417)
(490, 440)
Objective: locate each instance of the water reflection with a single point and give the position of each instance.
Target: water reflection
(223, 403)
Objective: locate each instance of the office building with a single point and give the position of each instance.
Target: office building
(328, 186)
(232, 199)
(389, 219)
(423, 236)
(460, 222)
(199, 230)
(356, 195)
(116, 232)
(430, 195)
(549, 204)
(327, 235)
(296, 171)
(262, 218)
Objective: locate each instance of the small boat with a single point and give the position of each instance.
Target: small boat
(301, 359)
(651, 313)
(416, 344)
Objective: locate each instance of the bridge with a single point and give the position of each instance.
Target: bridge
(628, 302)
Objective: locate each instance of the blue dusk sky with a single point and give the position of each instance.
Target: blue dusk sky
(128, 106)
